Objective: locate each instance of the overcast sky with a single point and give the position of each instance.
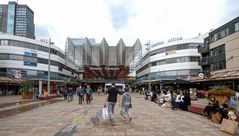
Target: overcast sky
(153, 20)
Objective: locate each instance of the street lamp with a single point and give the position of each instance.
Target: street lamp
(49, 67)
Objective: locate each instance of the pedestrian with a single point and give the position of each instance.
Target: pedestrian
(126, 104)
(80, 93)
(110, 101)
(88, 94)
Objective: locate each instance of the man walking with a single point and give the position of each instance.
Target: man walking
(80, 93)
(111, 99)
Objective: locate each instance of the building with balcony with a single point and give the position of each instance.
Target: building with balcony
(169, 63)
(26, 58)
(17, 19)
(220, 57)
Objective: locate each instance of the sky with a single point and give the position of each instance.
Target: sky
(154, 20)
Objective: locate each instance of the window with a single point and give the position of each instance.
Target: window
(236, 26)
(15, 57)
(227, 31)
(3, 56)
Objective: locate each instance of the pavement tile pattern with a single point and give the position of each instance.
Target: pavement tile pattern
(71, 119)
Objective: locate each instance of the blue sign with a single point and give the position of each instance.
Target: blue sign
(33, 64)
(30, 54)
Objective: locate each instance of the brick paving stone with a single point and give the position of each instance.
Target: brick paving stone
(148, 120)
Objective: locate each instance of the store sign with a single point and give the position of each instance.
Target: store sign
(18, 74)
(33, 64)
(175, 39)
(104, 68)
(30, 54)
(156, 44)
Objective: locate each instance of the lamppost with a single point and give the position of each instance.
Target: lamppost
(49, 68)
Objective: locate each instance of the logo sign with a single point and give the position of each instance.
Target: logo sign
(18, 74)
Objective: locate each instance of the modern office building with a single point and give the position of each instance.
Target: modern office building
(101, 61)
(170, 62)
(22, 57)
(17, 19)
(220, 57)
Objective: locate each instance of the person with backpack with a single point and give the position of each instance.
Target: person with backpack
(125, 105)
(110, 101)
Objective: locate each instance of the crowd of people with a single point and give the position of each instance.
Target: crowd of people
(170, 99)
(227, 109)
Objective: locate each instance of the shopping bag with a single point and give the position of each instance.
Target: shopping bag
(105, 113)
(229, 126)
(130, 105)
(216, 118)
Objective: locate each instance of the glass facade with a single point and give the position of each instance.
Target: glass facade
(11, 18)
(17, 20)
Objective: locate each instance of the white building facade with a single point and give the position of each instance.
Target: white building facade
(171, 61)
(29, 58)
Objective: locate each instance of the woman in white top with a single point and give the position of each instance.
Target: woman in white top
(179, 99)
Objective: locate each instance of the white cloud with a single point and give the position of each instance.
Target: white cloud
(153, 20)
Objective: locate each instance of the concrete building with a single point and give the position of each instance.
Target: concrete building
(170, 62)
(220, 57)
(22, 57)
(17, 19)
(89, 53)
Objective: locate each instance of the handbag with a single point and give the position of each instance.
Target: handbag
(229, 126)
(130, 105)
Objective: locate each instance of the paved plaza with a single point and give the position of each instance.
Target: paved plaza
(69, 118)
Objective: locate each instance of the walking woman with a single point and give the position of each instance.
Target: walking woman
(125, 105)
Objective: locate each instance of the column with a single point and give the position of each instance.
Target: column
(40, 87)
(149, 86)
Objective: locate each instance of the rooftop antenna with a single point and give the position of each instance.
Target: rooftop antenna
(148, 45)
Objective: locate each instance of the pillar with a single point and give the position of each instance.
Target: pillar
(149, 86)
(40, 87)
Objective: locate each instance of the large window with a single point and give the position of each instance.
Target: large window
(236, 26)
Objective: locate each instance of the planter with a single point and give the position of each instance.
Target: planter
(221, 92)
(27, 95)
(219, 97)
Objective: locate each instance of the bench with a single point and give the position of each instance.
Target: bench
(196, 108)
(48, 97)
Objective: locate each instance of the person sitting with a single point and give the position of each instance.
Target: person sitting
(193, 94)
(227, 103)
(179, 100)
(46, 93)
(167, 99)
(213, 104)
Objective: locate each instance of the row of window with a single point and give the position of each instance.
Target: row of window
(169, 61)
(217, 51)
(173, 47)
(225, 32)
(172, 73)
(218, 66)
(33, 60)
(35, 74)
(30, 46)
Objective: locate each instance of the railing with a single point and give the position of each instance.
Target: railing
(204, 61)
(203, 49)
